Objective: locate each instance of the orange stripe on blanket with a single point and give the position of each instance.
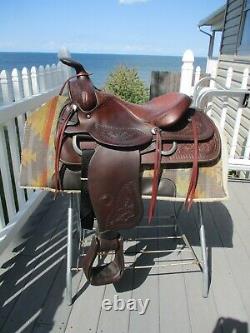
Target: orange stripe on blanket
(51, 116)
(44, 177)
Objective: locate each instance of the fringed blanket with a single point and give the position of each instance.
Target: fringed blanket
(38, 160)
(38, 151)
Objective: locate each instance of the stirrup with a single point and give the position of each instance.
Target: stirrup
(107, 273)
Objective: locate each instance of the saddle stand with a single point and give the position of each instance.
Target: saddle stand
(74, 227)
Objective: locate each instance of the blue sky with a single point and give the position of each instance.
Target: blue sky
(158, 27)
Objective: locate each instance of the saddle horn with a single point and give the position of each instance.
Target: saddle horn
(74, 64)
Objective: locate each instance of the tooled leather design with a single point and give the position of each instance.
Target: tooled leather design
(184, 152)
(109, 124)
(124, 212)
(109, 134)
(182, 131)
(114, 189)
(208, 152)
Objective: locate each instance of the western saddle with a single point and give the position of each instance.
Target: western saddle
(102, 143)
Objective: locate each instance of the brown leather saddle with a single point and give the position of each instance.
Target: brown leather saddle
(102, 144)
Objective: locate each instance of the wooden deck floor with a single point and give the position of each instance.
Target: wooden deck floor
(32, 280)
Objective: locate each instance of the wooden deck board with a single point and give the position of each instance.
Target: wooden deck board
(32, 280)
(173, 307)
(197, 305)
(86, 310)
(56, 309)
(238, 255)
(240, 212)
(227, 297)
(145, 286)
(40, 266)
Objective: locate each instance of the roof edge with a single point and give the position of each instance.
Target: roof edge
(215, 19)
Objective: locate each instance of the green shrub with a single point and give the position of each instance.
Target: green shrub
(125, 83)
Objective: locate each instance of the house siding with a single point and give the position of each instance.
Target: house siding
(232, 27)
(238, 65)
(230, 59)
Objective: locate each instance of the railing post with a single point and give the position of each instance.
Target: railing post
(53, 75)
(7, 91)
(48, 77)
(17, 85)
(41, 79)
(27, 91)
(18, 95)
(5, 83)
(26, 82)
(197, 75)
(225, 99)
(60, 77)
(213, 74)
(34, 80)
(187, 72)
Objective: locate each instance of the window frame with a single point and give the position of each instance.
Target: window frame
(244, 50)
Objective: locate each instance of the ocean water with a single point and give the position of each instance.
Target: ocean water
(100, 64)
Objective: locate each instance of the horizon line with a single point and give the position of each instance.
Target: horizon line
(127, 54)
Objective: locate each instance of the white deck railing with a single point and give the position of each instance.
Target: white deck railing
(230, 109)
(20, 92)
(191, 75)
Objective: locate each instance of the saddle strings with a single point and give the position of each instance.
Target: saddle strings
(156, 176)
(61, 129)
(58, 150)
(157, 170)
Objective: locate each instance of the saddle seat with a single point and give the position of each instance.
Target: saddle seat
(163, 111)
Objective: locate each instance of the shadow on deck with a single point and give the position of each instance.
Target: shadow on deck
(32, 280)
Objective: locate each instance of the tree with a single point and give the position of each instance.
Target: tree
(125, 83)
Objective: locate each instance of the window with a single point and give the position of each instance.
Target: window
(244, 46)
(217, 44)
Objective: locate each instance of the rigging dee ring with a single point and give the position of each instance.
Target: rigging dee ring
(75, 146)
(163, 152)
(171, 150)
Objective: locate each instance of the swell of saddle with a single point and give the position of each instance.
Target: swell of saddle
(82, 93)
